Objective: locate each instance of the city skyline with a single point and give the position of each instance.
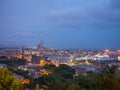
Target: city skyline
(60, 23)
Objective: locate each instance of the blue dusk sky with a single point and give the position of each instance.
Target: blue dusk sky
(87, 24)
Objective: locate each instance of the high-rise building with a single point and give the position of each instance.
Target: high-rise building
(40, 45)
(22, 52)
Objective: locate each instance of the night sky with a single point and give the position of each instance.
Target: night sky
(88, 24)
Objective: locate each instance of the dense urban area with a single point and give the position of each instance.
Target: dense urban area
(41, 68)
(59, 44)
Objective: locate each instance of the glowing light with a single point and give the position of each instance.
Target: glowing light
(26, 81)
(88, 63)
(118, 58)
(119, 51)
(42, 62)
(106, 50)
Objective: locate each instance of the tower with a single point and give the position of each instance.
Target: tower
(40, 45)
(22, 52)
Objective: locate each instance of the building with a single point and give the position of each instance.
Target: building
(40, 45)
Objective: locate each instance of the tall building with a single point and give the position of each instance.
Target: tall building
(35, 59)
(22, 52)
(40, 45)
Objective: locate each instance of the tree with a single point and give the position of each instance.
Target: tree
(60, 79)
(109, 70)
(37, 87)
(8, 81)
(65, 71)
(74, 87)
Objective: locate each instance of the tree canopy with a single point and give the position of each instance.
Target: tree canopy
(8, 81)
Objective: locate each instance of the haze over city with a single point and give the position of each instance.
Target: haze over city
(86, 24)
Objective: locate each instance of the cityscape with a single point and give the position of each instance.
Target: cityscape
(59, 45)
(82, 61)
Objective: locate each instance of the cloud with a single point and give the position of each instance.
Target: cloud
(115, 3)
(71, 17)
(26, 34)
(65, 14)
(88, 14)
(105, 13)
(81, 21)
